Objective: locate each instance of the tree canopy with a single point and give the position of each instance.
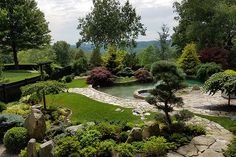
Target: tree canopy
(209, 23)
(110, 23)
(22, 26)
(62, 50)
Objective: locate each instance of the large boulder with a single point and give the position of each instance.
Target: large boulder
(46, 149)
(31, 148)
(35, 124)
(135, 135)
(150, 129)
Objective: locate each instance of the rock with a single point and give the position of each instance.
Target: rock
(201, 148)
(74, 129)
(219, 146)
(203, 140)
(188, 150)
(150, 129)
(46, 149)
(211, 153)
(118, 110)
(174, 154)
(35, 124)
(135, 135)
(31, 148)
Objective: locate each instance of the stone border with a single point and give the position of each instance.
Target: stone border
(138, 93)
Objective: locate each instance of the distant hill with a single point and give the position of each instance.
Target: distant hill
(141, 45)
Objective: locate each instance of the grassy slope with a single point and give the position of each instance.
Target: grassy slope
(85, 109)
(14, 76)
(80, 83)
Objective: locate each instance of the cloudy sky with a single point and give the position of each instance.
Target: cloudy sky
(63, 15)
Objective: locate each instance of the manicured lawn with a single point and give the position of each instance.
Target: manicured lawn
(125, 79)
(226, 122)
(85, 109)
(79, 83)
(18, 75)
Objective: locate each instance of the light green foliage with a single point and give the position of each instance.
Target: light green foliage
(158, 146)
(110, 23)
(189, 60)
(230, 72)
(107, 130)
(80, 65)
(221, 82)
(106, 147)
(208, 23)
(37, 55)
(66, 146)
(15, 139)
(18, 108)
(18, 75)
(231, 151)
(23, 152)
(96, 59)
(125, 150)
(88, 151)
(207, 70)
(169, 79)
(29, 31)
(113, 59)
(62, 51)
(148, 56)
(89, 138)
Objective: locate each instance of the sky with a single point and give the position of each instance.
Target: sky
(63, 16)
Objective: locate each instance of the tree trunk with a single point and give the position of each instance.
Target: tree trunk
(167, 114)
(44, 101)
(14, 50)
(229, 98)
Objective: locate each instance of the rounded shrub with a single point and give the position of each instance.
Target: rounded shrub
(100, 76)
(230, 72)
(105, 148)
(67, 79)
(15, 139)
(89, 138)
(88, 151)
(107, 130)
(143, 75)
(205, 71)
(125, 150)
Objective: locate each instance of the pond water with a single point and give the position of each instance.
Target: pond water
(127, 90)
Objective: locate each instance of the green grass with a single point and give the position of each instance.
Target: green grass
(226, 122)
(18, 75)
(85, 109)
(125, 79)
(79, 83)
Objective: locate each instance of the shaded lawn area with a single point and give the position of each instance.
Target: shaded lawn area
(226, 122)
(85, 109)
(79, 83)
(18, 75)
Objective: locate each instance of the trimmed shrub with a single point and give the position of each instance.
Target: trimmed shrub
(66, 145)
(231, 151)
(189, 60)
(8, 121)
(16, 139)
(100, 76)
(205, 71)
(107, 130)
(143, 75)
(158, 146)
(184, 115)
(230, 72)
(67, 79)
(2, 106)
(125, 150)
(105, 148)
(18, 108)
(215, 54)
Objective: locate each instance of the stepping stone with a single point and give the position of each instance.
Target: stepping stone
(203, 140)
(211, 153)
(174, 154)
(219, 146)
(188, 150)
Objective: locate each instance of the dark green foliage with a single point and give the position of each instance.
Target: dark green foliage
(169, 79)
(107, 23)
(184, 115)
(126, 72)
(2, 106)
(179, 139)
(96, 59)
(207, 70)
(66, 145)
(148, 56)
(231, 151)
(80, 65)
(131, 60)
(158, 146)
(74, 155)
(123, 136)
(125, 150)
(62, 51)
(139, 146)
(195, 130)
(8, 121)
(107, 130)
(89, 138)
(231, 58)
(29, 31)
(67, 79)
(16, 139)
(143, 75)
(189, 60)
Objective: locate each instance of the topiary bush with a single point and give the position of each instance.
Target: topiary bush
(66, 146)
(143, 75)
(16, 139)
(158, 146)
(189, 60)
(8, 121)
(100, 76)
(205, 71)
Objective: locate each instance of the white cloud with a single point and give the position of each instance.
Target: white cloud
(63, 15)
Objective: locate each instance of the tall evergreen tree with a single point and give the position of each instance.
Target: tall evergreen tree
(22, 26)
